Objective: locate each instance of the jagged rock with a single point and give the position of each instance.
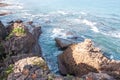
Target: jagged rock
(82, 58)
(29, 68)
(23, 41)
(97, 76)
(22, 63)
(2, 31)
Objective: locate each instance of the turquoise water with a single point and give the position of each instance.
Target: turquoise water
(94, 19)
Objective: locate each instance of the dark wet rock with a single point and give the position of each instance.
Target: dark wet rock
(63, 43)
(36, 33)
(82, 58)
(2, 31)
(97, 76)
(21, 40)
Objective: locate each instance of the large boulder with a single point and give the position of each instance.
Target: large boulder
(65, 43)
(2, 31)
(29, 68)
(20, 39)
(82, 58)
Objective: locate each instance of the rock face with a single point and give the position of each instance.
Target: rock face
(20, 40)
(36, 33)
(30, 68)
(82, 58)
(2, 31)
(97, 76)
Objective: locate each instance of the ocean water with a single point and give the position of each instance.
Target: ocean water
(98, 20)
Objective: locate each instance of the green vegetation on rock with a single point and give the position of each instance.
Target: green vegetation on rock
(18, 31)
(7, 71)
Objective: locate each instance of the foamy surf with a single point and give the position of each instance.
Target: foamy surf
(91, 25)
(61, 33)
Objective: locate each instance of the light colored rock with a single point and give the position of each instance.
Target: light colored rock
(82, 58)
(19, 65)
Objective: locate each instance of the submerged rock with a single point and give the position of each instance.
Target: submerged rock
(82, 58)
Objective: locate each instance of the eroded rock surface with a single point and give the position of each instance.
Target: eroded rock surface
(82, 58)
(21, 40)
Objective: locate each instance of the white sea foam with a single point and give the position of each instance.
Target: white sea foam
(115, 34)
(62, 12)
(91, 24)
(14, 7)
(57, 32)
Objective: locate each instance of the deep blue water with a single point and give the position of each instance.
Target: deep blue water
(98, 20)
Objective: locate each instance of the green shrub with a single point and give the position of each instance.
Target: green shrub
(18, 31)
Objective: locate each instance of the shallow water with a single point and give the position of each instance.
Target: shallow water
(97, 20)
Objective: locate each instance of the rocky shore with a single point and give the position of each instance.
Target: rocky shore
(81, 59)
(21, 56)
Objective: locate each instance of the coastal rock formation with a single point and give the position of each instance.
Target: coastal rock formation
(20, 40)
(82, 58)
(29, 68)
(2, 31)
(63, 43)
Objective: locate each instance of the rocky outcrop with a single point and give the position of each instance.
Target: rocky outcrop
(2, 31)
(34, 68)
(20, 44)
(63, 43)
(82, 58)
(21, 40)
(29, 68)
